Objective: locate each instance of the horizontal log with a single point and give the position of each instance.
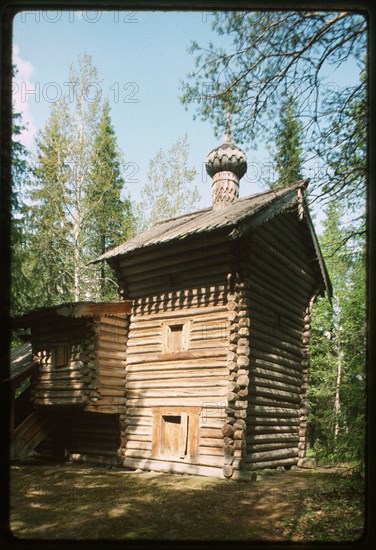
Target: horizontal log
(59, 385)
(202, 255)
(211, 451)
(109, 400)
(259, 268)
(264, 304)
(177, 266)
(107, 381)
(272, 438)
(270, 383)
(283, 259)
(268, 331)
(273, 463)
(254, 430)
(263, 456)
(115, 345)
(260, 315)
(145, 445)
(261, 286)
(197, 313)
(205, 244)
(221, 392)
(280, 344)
(210, 382)
(107, 322)
(211, 442)
(139, 430)
(270, 400)
(102, 408)
(207, 374)
(117, 365)
(269, 446)
(110, 392)
(60, 400)
(195, 363)
(185, 281)
(273, 411)
(156, 306)
(118, 373)
(107, 354)
(52, 393)
(264, 357)
(277, 421)
(276, 349)
(164, 401)
(111, 333)
(54, 377)
(142, 438)
(137, 454)
(274, 375)
(295, 246)
(172, 467)
(198, 272)
(215, 433)
(60, 372)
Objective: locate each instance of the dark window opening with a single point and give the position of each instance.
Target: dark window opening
(60, 354)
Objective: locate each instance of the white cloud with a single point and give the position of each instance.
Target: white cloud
(21, 83)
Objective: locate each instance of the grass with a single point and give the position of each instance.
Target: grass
(73, 502)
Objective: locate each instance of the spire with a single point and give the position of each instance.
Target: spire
(227, 138)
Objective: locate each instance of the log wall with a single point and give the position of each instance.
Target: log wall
(90, 436)
(107, 386)
(187, 288)
(63, 385)
(280, 284)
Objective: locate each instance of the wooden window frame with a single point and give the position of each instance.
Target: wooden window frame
(166, 336)
(188, 447)
(66, 352)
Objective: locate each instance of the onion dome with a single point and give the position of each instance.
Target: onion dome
(226, 158)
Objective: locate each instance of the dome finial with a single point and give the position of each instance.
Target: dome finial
(227, 138)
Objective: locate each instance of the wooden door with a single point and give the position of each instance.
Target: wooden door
(171, 440)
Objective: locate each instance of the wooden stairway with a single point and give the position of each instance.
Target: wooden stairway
(30, 433)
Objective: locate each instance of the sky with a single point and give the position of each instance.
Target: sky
(141, 57)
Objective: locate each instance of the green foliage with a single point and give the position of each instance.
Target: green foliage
(167, 192)
(274, 55)
(288, 157)
(111, 220)
(21, 284)
(338, 344)
(47, 216)
(77, 208)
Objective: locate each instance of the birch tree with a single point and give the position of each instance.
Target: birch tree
(168, 191)
(77, 186)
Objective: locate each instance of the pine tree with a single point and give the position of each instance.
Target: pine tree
(288, 157)
(167, 192)
(48, 215)
(21, 284)
(111, 221)
(76, 205)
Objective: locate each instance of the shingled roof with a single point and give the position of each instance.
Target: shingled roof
(72, 310)
(208, 220)
(240, 216)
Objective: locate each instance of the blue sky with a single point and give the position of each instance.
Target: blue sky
(141, 57)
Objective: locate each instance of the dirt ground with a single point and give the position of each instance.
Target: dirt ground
(75, 502)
